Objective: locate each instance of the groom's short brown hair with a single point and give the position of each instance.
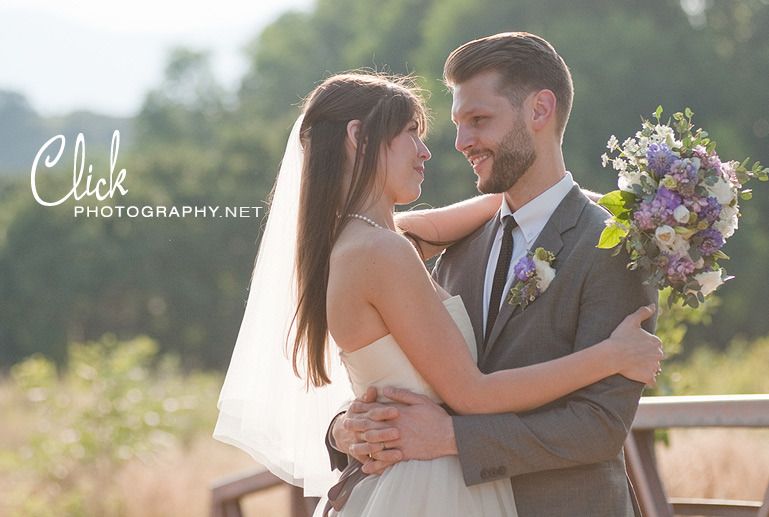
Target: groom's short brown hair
(525, 62)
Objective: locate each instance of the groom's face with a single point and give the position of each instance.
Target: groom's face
(491, 133)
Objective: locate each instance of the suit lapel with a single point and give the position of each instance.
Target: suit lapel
(563, 219)
(474, 277)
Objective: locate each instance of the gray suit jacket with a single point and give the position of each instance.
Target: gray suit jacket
(566, 458)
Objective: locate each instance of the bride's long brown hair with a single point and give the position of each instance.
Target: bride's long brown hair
(384, 105)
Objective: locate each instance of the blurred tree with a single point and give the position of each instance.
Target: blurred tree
(184, 282)
(21, 132)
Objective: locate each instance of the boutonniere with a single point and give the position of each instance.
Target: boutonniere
(533, 274)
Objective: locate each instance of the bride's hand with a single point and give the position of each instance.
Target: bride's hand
(638, 352)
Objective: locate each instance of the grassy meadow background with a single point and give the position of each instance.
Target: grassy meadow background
(115, 333)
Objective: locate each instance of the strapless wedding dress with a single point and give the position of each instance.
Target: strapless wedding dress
(416, 488)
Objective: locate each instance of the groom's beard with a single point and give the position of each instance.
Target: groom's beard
(512, 159)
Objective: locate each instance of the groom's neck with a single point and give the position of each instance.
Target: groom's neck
(545, 172)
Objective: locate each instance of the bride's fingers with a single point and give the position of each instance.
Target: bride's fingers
(388, 455)
(379, 413)
(383, 413)
(362, 425)
(382, 435)
(361, 407)
(370, 395)
(374, 411)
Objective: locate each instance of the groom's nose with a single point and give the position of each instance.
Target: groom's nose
(464, 140)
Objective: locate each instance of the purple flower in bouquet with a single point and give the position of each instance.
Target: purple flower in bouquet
(708, 160)
(658, 211)
(659, 158)
(666, 200)
(644, 217)
(712, 241)
(684, 174)
(710, 209)
(676, 205)
(524, 269)
(679, 268)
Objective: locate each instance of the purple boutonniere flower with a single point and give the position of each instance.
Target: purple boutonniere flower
(533, 274)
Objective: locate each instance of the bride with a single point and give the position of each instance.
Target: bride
(335, 274)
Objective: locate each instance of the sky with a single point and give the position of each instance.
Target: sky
(104, 55)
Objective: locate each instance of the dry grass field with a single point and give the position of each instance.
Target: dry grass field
(173, 477)
(731, 464)
(722, 463)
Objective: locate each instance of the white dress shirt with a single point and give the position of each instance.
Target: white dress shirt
(531, 219)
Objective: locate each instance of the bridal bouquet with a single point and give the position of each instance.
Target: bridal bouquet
(676, 205)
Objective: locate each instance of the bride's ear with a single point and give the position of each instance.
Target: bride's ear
(353, 134)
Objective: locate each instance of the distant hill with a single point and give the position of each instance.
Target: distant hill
(23, 131)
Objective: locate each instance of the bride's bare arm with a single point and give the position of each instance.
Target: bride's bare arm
(398, 286)
(448, 224)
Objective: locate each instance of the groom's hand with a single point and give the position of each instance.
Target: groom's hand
(425, 429)
(363, 431)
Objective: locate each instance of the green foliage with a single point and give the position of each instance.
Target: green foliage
(740, 368)
(184, 283)
(673, 323)
(115, 402)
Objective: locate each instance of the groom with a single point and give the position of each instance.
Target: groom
(512, 97)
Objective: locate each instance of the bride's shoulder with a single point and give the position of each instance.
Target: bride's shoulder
(374, 249)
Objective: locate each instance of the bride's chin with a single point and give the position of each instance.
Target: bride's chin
(410, 197)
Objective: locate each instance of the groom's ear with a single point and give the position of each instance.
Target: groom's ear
(543, 104)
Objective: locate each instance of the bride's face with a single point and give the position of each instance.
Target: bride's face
(402, 165)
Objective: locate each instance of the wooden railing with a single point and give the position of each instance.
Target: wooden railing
(226, 494)
(673, 412)
(653, 413)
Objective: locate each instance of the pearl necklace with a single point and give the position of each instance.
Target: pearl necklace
(366, 220)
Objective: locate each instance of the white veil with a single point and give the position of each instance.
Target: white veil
(264, 408)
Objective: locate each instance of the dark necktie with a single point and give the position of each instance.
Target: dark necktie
(500, 273)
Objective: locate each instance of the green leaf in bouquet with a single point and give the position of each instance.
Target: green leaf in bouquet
(658, 113)
(692, 286)
(618, 202)
(720, 255)
(688, 112)
(612, 235)
(684, 232)
(673, 298)
(761, 173)
(747, 194)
